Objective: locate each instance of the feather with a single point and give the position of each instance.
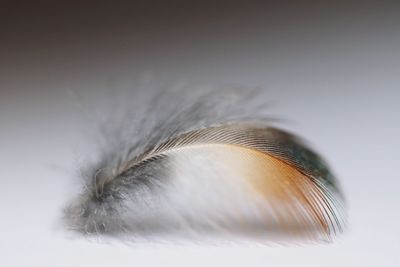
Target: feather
(226, 174)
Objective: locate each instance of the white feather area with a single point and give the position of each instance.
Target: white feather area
(226, 188)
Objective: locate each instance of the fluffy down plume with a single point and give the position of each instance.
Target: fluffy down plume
(206, 163)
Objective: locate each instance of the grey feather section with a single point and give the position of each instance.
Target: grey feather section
(125, 191)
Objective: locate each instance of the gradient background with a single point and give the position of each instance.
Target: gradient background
(332, 68)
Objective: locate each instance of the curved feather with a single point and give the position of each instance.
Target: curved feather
(287, 185)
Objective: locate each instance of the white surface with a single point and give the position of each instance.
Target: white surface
(358, 139)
